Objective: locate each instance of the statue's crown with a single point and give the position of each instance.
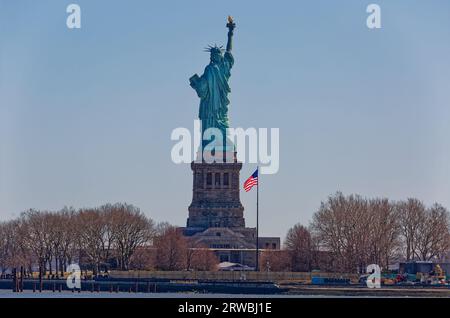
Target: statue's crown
(214, 49)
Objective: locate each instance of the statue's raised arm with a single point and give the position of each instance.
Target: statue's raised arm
(230, 25)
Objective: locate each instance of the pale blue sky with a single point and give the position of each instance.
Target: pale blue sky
(86, 115)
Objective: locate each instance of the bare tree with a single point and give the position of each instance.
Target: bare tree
(171, 250)
(132, 230)
(192, 249)
(199, 257)
(299, 244)
(93, 237)
(275, 261)
(340, 227)
(433, 238)
(6, 240)
(13, 252)
(35, 230)
(68, 248)
(384, 232)
(143, 258)
(412, 215)
(357, 231)
(62, 232)
(56, 232)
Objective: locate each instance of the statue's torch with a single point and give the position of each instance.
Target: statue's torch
(231, 25)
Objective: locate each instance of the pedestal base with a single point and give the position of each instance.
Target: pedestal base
(215, 201)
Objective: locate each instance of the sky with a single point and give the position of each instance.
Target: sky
(86, 114)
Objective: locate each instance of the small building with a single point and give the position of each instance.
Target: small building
(415, 267)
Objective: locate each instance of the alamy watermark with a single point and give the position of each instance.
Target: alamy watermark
(73, 281)
(374, 278)
(250, 145)
(374, 19)
(73, 20)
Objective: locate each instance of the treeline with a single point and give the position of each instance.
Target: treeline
(347, 233)
(114, 236)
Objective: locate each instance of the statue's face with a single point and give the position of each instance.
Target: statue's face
(216, 57)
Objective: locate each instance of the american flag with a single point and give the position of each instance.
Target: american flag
(252, 181)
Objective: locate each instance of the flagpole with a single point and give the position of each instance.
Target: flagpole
(257, 222)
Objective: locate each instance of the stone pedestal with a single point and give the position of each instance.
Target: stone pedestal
(215, 202)
(216, 215)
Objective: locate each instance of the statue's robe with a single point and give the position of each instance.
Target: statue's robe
(212, 88)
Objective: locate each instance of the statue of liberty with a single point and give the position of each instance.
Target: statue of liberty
(212, 87)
